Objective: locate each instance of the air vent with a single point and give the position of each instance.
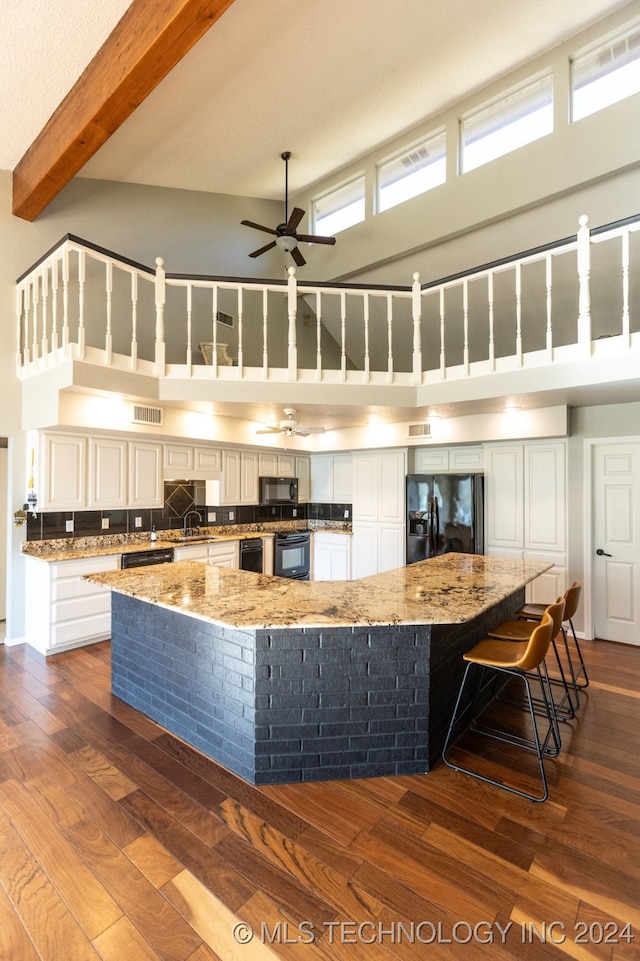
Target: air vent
(420, 430)
(147, 415)
(225, 319)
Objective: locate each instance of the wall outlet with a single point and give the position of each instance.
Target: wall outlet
(68, 526)
(231, 515)
(137, 522)
(295, 512)
(211, 517)
(105, 523)
(346, 515)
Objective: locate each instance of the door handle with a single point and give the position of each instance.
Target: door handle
(602, 553)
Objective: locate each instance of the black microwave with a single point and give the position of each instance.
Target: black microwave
(278, 490)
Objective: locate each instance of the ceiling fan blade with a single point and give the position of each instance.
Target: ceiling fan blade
(268, 430)
(315, 239)
(262, 250)
(314, 430)
(250, 223)
(297, 256)
(294, 219)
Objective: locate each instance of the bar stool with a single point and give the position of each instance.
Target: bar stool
(520, 659)
(534, 612)
(520, 629)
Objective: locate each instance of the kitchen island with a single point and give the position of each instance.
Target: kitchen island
(283, 680)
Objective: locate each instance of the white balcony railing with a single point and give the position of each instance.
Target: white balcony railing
(549, 305)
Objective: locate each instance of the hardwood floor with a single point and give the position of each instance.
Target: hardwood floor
(119, 842)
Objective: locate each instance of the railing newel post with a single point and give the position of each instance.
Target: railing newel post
(416, 311)
(584, 285)
(160, 301)
(292, 310)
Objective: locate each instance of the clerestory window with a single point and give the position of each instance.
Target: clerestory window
(606, 74)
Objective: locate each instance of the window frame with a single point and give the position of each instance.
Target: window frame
(318, 226)
(438, 135)
(594, 50)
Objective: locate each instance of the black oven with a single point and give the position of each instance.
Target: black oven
(292, 555)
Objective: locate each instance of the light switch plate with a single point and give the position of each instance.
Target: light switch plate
(231, 515)
(211, 517)
(68, 526)
(138, 522)
(105, 523)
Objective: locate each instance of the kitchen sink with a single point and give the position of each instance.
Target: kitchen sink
(198, 539)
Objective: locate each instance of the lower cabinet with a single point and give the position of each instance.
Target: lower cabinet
(223, 553)
(376, 547)
(331, 556)
(62, 609)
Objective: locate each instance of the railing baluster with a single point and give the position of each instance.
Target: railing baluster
(214, 331)
(389, 339)
(626, 330)
(160, 300)
(465, 314)
(549, 286)
(134, 320)
(240, 330)
(492, 343)
(65, 301)
(20, 347)
(292, 311)
(188, 361)
(54, 309)
(519, 313)
(416, 311)
(367, 358)
(318, 296)
(584, 291)
(108, 344)
(265, 329)
(44, 344)
(443, 360)
(81, 283)
(35, 302)
(343, 336)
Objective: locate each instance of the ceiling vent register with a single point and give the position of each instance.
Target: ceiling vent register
(420, 430)
(147, 415)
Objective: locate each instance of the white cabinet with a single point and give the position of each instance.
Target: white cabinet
(223, 553)
(107, 473)
(145, 474)
(249, 493)
(63, 472)
(465, 459)
(69, 611)
(331, 478)
(303, 473)
(272, 464)
(526, 509)
(331, 556)
(378, 511)
(190, 462)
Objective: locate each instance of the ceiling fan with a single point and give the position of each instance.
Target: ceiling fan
(289, 427)
(286, 235)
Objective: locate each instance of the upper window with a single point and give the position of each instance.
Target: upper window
(412, 172)
(606, 74)
(339, 208)
(503, 125)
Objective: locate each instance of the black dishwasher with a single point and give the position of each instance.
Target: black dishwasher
(251, 554)
(146, 558)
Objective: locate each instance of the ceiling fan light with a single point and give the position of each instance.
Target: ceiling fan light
(286, 242)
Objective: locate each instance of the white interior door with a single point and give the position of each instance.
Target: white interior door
(616, 542)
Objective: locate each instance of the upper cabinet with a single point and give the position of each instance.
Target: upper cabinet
(272, 464)
(465, 459)
(107, 473)
(63, 472)
(192, 462)
(145, 474)
(331, 478)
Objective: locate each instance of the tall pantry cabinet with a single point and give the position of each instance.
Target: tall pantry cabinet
(526, 509)
(378, 511)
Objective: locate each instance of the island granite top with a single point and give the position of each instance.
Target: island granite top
(449, 589)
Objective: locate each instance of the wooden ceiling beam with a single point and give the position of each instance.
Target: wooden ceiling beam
(146, 44)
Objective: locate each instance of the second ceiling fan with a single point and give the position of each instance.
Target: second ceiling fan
(286, 235)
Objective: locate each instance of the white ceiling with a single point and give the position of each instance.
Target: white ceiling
(326, 79)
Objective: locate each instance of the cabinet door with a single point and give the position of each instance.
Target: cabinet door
(145, 480)
(230, 489)
(365, 487)
(248, 477)
(303, 473)
(364, 558)
(322, 478)
(391, 472)
(225, 555)
(286, 465)
(431, 460)
(177, 460)
(391, 544)
(268, 464)
(466, 459)
(342, 478)
(107, 473)
(63, 459)
(544, 497)
(505, 497)
(207, 461)
(322, 567)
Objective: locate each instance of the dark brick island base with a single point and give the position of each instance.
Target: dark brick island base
(296, 703)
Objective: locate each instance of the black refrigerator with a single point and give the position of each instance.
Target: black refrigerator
(445, 512)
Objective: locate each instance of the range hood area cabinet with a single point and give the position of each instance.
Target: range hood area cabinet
(76, 472)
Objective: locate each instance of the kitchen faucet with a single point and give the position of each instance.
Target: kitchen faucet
(186, 531)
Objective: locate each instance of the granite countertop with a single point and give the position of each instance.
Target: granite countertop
(449, 589)
(76, 548)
